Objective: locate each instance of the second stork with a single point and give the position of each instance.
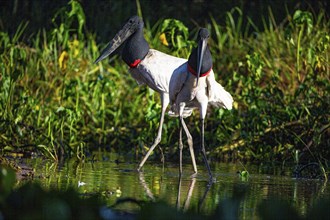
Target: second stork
(196, 88)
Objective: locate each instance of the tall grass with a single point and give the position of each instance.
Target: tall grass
(54, 100)
(281, 83)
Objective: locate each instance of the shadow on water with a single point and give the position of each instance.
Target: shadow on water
(124, 189)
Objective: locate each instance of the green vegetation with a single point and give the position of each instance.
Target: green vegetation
(55, 101)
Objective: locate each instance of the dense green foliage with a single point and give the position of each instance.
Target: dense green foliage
(54, 100)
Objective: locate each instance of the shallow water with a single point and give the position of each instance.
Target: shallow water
(112, 177)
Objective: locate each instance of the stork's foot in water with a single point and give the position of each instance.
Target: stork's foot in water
(212, 180)
(192, 176)
(139, 169)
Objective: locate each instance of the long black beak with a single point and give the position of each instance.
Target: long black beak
(117, 40)
(200, 54)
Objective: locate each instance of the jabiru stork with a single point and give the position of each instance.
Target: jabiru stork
(150, 67)
(196, 88)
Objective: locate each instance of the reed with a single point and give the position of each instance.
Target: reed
(55, 101)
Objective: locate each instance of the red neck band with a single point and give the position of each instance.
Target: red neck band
(135, 63)
(192, 71)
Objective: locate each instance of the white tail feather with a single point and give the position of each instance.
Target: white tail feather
(219, 97)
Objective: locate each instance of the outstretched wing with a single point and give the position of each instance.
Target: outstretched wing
(218, 96)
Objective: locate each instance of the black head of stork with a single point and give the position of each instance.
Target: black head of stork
(135, 45)
(200, 59)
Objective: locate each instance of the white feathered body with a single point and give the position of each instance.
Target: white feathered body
(209, 91)
(169, 76)
(156, 70)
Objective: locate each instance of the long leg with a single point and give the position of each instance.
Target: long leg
(202, 110)
(203, 148)
(182, 105)
(189, 139)
(191, 147)
(180, 147)
(165, 102)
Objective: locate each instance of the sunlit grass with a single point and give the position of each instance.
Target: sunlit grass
(54, 100)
